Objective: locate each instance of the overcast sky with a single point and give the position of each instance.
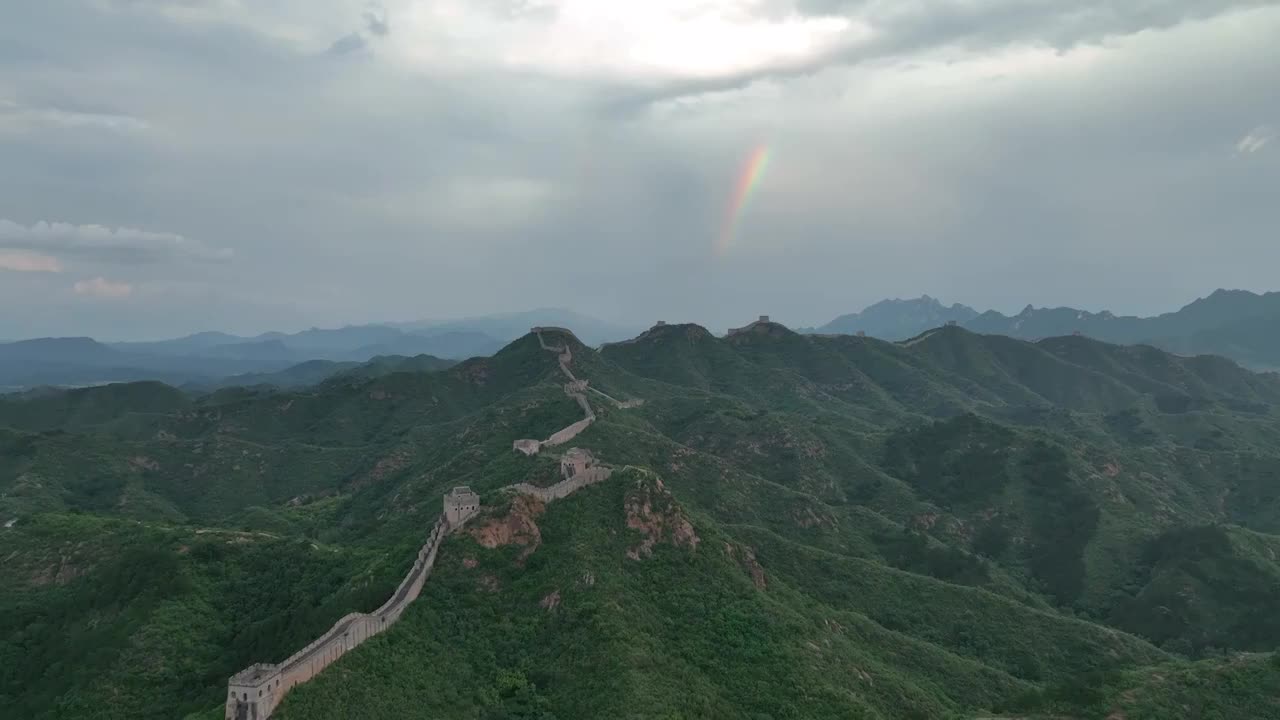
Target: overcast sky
(168, 166)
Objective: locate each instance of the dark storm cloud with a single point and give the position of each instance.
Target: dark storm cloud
(375, 20)
(1131, 169)
(375, 26)
(347, 44)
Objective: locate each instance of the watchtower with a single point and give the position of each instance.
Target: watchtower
(763, 319)
(459, 505)
(254, 692)
(575, 461)
(528, 447)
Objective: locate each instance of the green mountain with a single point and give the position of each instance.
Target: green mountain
(796, 526)
(212, 360)
(312, 372)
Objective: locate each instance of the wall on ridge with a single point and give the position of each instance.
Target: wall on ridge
(255, 692)
(565, 488)
(563, 436)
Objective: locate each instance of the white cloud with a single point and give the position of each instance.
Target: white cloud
(21, 261)
(652, 39)
(122, 243)
(21, 117)
(1255, 140)
(103, 288)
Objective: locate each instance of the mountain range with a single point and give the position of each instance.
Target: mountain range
(958, 525)
(1238, 324)
(209, 359)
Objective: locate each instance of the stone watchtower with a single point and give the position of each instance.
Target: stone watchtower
(254, 692)
(575, 461)
(459, 505)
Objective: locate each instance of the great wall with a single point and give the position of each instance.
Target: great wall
(255, 692)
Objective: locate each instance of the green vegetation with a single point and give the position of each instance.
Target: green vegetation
(954, 526)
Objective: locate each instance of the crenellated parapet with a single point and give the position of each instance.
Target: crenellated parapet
(460, 504)
(254, 693)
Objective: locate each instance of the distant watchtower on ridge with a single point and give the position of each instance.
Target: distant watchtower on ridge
(761, 320)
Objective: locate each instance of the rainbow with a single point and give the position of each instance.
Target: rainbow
(748, 180)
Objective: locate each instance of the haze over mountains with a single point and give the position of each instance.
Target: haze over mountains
(209, 359)
(1238, 324)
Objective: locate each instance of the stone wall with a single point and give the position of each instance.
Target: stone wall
(565, 488)
(254, 692)
(563, 436)
(528, 447)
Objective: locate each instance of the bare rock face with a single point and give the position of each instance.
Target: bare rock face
(60, 573)
(551, 601)
(654, 513)
(139, 463)
(807, 517)
(746, 557)
(475, 372)
(389, 465)
(517, 527)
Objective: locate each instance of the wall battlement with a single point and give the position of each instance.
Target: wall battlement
(255, 692)
(564, 488)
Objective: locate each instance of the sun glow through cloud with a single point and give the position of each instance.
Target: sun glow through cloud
(744, 188)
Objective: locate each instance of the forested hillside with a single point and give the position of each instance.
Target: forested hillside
(957, 525)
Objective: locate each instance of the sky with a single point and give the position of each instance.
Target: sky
(171, 166)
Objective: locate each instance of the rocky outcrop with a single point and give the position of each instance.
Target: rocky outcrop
(746, 557)
(518, 527)
(653, 513)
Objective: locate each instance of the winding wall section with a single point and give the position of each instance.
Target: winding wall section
(255, 692)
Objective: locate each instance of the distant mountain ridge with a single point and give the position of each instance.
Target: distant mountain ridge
(899, 319)
(1237, 324)
(213, 359)
(509, 326)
